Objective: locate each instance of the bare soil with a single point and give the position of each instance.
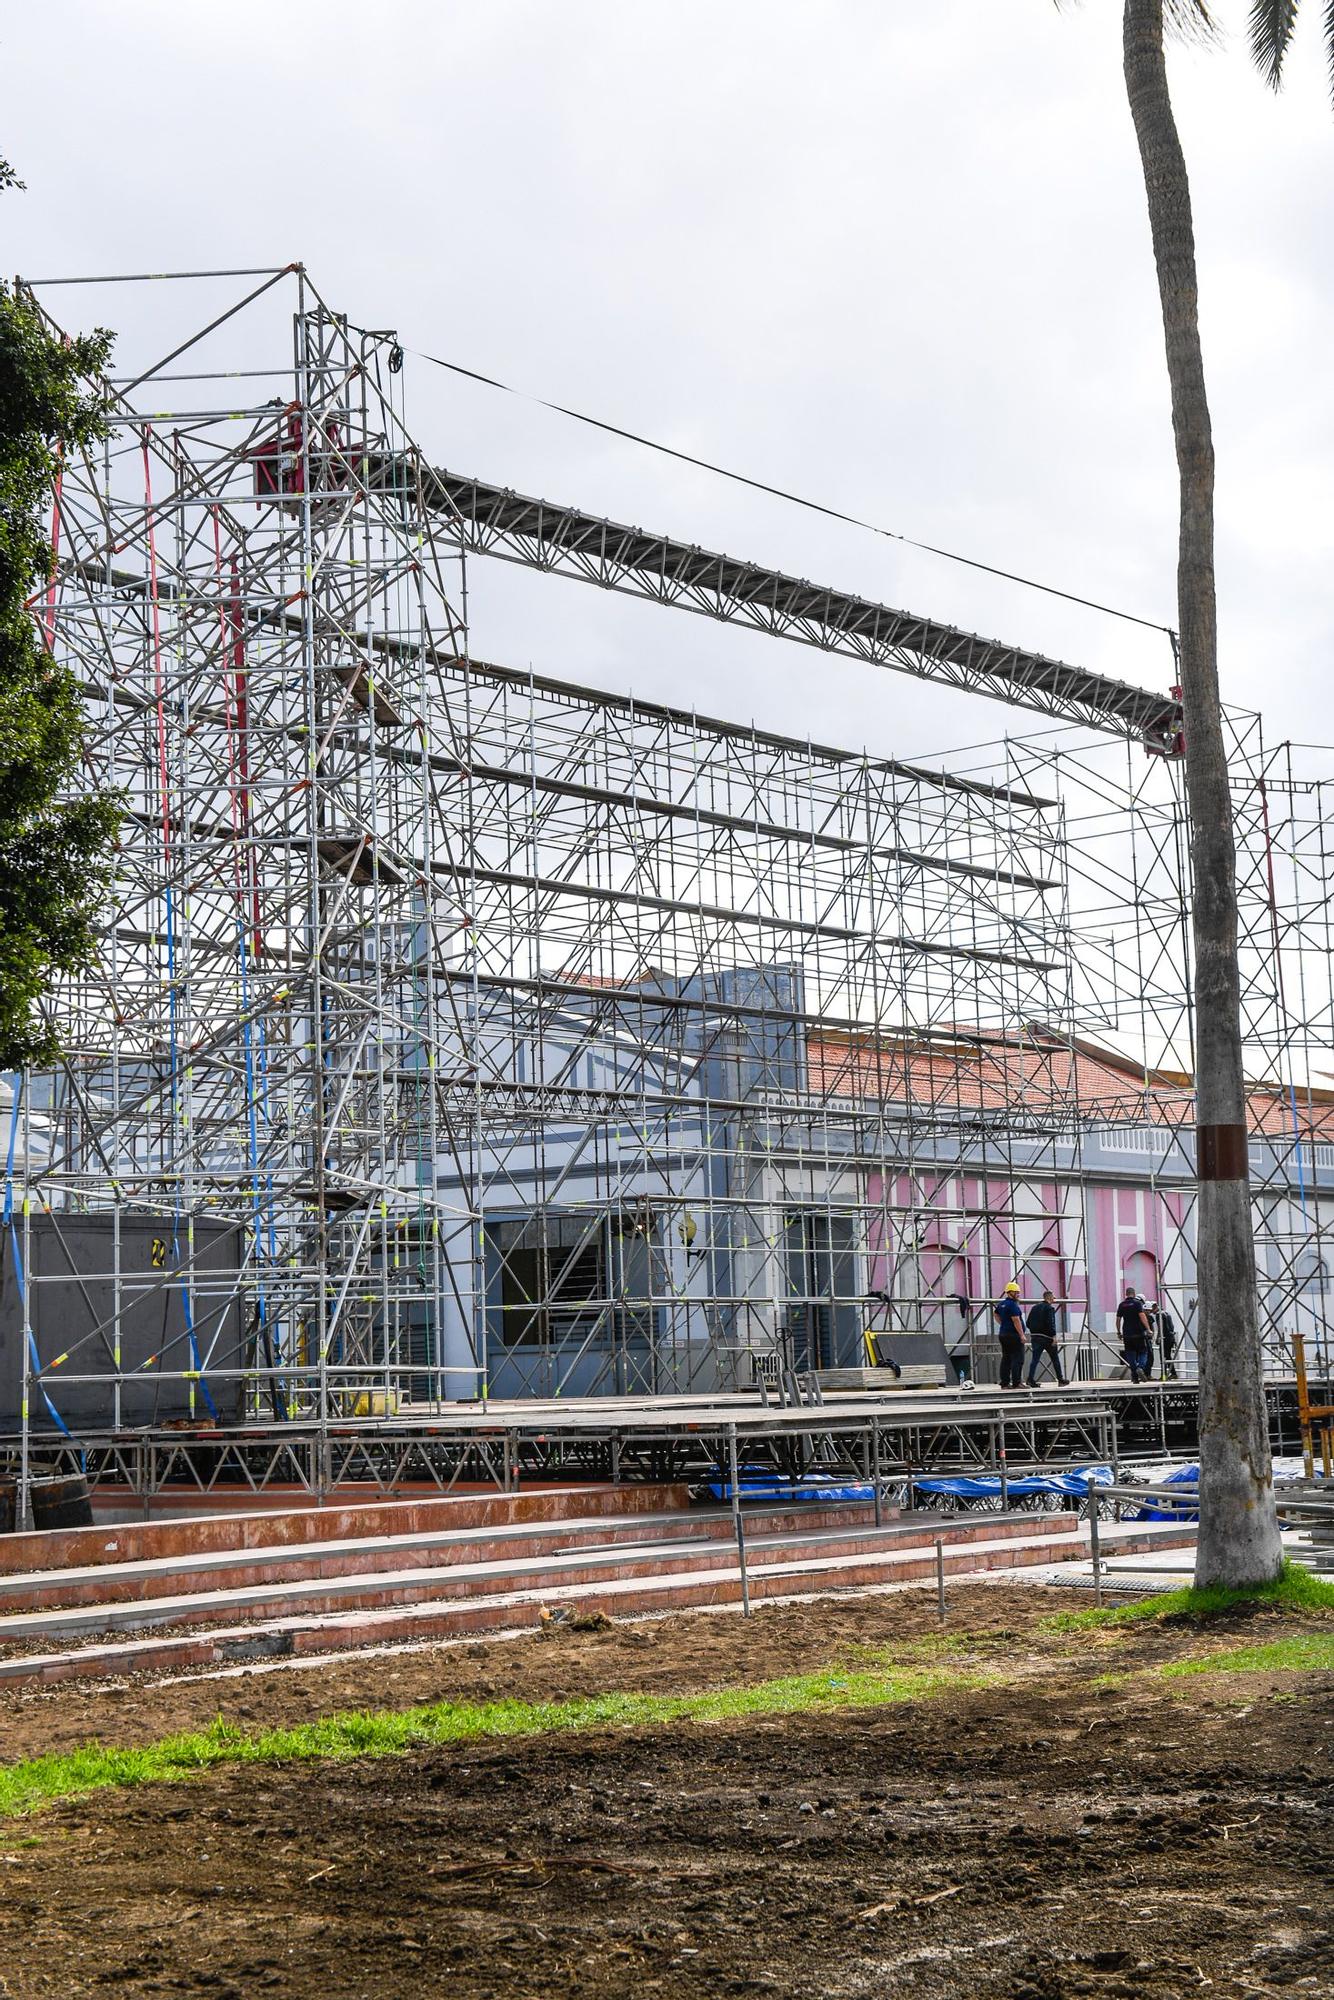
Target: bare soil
(657, 1656)
(1067, 1836)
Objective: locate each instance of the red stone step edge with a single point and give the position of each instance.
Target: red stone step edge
(518, 1565)
(117, 1584)
(142, 1541)
(433, 1622)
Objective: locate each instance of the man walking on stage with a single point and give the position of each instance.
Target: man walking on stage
(1167, 1340)
(1044, 1335)
(1133, 1325)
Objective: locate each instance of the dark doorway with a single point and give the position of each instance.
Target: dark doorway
(824, 1311)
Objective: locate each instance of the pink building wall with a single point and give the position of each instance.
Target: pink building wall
(1083, 1253)
(1133, 1233)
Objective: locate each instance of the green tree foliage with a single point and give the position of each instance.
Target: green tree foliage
(55, 838)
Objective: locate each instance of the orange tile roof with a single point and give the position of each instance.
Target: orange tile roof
(1037, 1073)
(971, 1070)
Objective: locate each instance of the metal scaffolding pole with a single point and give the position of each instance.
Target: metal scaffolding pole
(465, 1032)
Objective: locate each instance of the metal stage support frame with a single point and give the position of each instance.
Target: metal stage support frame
(898, 1438)
(663, 1440)
(464, 1033)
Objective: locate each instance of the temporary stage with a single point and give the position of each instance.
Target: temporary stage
(885, 1441)
(478, 1063)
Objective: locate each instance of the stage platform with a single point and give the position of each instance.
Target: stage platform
(894, 1435)
(657, 1438)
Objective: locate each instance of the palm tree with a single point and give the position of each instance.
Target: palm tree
(1239, 1539)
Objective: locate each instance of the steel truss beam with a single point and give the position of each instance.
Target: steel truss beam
(680, 1440)
(494, 521)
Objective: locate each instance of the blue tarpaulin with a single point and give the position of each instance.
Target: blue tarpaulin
(1153, 1510)
(793, 1489)
(1068, 1485)
(1072, 1485)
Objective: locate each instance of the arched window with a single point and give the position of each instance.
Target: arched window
(1309, 1271)
(1141, 1271)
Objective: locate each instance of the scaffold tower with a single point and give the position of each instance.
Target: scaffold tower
(463, 1032)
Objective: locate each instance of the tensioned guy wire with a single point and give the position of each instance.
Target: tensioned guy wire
(795, 499)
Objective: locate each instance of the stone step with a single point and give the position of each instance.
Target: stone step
(100, 1583)
(135, 1541)
(618, 1595)
(466, 1567)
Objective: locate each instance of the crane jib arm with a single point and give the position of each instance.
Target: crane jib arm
(490, 520)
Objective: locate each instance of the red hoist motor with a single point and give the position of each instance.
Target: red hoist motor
(281, 462)
(1169, 742)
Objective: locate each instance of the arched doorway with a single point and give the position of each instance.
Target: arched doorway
(948, 1305)
(1141, 1271)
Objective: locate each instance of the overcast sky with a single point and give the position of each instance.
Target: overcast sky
(891, 255)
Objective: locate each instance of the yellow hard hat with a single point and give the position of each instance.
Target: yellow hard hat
(1012, 1287)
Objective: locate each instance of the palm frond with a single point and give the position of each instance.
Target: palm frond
(1329, 39)
(1272, 23)
(1190, 20)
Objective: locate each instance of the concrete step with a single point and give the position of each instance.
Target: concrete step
(523, 1562)
(136, 1541)
(501, 1609)
(208, 1569)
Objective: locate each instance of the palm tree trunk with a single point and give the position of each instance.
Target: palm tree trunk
(1239, 1540)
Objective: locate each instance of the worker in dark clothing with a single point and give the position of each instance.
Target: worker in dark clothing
(1043, 1334)
(1132, 1323)
(1163, 1321)
(1010, 1327)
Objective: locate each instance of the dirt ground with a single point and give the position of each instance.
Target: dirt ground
(1094, 1830)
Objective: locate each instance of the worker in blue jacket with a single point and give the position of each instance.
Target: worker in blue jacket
(1010, 1327)
(1132, 1323)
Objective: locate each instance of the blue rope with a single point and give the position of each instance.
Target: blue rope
(196, 1361)
(252, 1140)
(9, 1223)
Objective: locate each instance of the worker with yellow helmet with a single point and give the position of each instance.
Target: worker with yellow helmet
(1010, 1327)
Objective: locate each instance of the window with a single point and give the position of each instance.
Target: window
(1309, 1270)
(824, 1305)
(570, 1278)
(1135, 1138)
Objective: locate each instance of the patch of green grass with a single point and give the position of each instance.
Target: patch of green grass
(1299, 1653)
(928, 1646)
(1293, 1589)
(72, 1774)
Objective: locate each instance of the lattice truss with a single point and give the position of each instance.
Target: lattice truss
(1130, 870)
(461, 1030)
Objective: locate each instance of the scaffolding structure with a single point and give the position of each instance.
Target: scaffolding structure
(460, 1032)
